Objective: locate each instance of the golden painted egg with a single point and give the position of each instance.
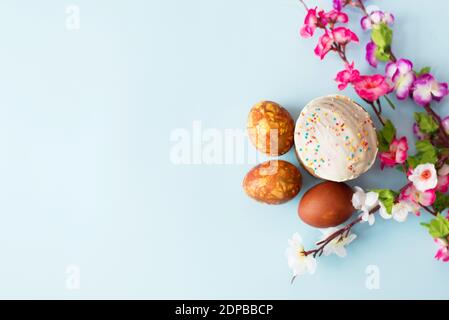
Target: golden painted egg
(271, 128)
(273, 182)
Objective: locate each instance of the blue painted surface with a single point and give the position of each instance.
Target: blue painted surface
(85, 174)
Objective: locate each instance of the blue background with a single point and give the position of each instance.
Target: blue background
(85, 174)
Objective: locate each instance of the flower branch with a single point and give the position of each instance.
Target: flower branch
(426, 172)
(341, 234)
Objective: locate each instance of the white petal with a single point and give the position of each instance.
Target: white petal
(358, 198)
(350, 238)
(399, 212)
(371, 219)
(383, 212)
(311, 264)
(371, 199)
(328, 250)
(365, 216)
(341, 252)
(298, 269)
(297, 238)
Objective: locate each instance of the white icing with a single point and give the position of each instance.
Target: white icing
(335, 138)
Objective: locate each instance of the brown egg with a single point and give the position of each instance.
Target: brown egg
(273, 182)
(271, 128)
(326, 205)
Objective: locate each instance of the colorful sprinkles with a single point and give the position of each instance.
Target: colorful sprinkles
(329, 118)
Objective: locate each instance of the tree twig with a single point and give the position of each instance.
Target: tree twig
(343, 232)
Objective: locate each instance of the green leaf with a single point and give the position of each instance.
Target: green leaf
(383, 144)
(424, 146)
(389, 131)
(386, 136)
(382, 55)
(426, 153)
(382, 36)
(423, 71)
(412, 161)
(387, 198)
(426, 123)
(438, 227)
(441, 203)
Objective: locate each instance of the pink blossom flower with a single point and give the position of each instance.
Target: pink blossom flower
(339, 4)
(347, 76)
(446, 124)
(443, 184)
(443, 179)
(313, 20)
(418, 133)
(343, 36)
(340, 35)
(371, 54)
(336, 16)
(426, 88)
(402, 75)
(371, 88)
(375, 18)
(325, 43)
(424, 177)
(396, 155)
(425, 198)
(443, 251)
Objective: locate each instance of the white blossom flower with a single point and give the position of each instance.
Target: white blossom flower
(365, 202)
(337, 245)
(399, 212)
(424, 177)
(297, 260)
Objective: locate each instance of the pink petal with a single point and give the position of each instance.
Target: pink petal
(343, 35)
(439, 91)
(371, 54)
(387, 160)
(306, 31)
(335, 16)
(401, 157)
(404, 66)
(388, 18)
(404, 85)
(377, 17)
(443, 184)
(338, 4)
(422, 90)
(427, 198)
(324, 45)
(366, 23)
(408, 193)
(311, 18)
(342, 17)
(391, 69)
